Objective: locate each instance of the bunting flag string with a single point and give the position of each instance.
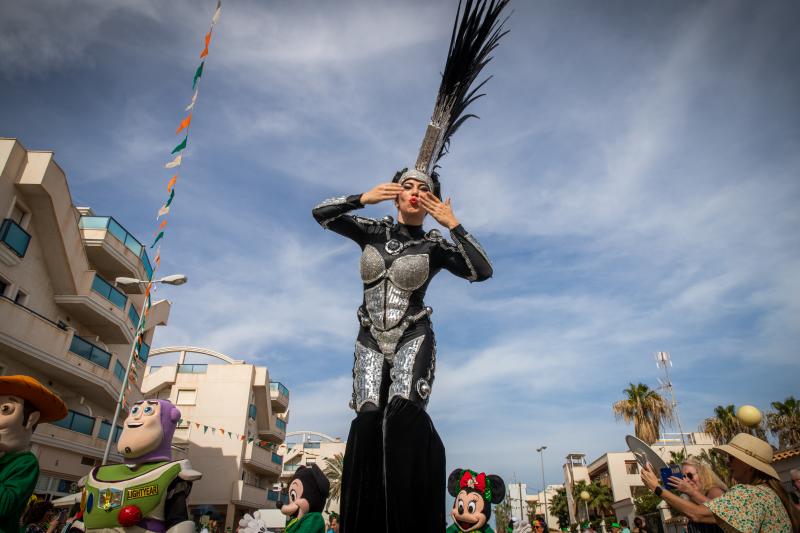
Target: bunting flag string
(183, 128)
(230, 434)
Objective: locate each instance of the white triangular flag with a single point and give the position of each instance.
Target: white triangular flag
(163, 211)
(194, 99)
(215, 18)
(177, 161)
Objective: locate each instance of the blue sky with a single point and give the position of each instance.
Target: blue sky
(634, 178)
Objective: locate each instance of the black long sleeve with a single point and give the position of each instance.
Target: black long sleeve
(466, 259)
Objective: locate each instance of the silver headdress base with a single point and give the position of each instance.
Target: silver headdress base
(414, 174)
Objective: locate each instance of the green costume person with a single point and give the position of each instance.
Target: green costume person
(149, 492)
(24, 402)
(308, 491)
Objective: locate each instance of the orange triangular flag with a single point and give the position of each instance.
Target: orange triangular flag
(172, 183)
(204, 53)
(163, 224)
(184, 124)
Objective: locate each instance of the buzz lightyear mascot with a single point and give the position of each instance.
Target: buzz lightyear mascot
(148, 492)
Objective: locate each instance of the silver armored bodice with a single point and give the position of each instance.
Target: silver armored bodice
(387, 301)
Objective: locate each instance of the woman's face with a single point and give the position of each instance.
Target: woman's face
(408, 201)
(690, 473)
(740, 471)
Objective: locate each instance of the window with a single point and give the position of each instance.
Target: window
(4, 285)
(105, 428)
(87, 461)
(21, 298)
(119, 371)
(18, 214)
(632, 467)
(186, 397)
(77, 422)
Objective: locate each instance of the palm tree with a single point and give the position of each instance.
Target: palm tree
(646, 408)
(559, 506)
(784, 423)
(601, 500)
(502, 514)
(333, 471)
(719, 464)
(724, 425)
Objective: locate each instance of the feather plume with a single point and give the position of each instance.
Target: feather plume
(476, 32)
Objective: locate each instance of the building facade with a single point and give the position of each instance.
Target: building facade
(524, 504)
(304, 448)
(619, 471)
(233, 421)
(62, 319)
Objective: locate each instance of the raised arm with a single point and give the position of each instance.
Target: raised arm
(333, 214)
(466, 258)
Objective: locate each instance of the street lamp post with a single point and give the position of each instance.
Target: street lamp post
(544, 487)
(585, 497)
(175, 279)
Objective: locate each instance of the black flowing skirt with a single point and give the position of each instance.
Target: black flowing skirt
(394, 476)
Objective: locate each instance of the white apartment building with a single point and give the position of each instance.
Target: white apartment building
(620, 472)
(304, 448)
(233, 420)
(523, 503)
(62, 319)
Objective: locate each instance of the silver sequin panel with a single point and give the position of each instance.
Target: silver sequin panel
(373, 299)
(472, 274)
(367, 376)
(372, 264)
(410, 272)
(397, 301)
(403, 368)
(331, 201)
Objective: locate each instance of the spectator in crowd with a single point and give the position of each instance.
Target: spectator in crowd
(699, 481)
(40, 518)
(639, 525)
(624, 525)
(795, 493)
(757, 503)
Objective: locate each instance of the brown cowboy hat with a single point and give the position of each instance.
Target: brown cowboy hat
(752, 451)
(49, 405)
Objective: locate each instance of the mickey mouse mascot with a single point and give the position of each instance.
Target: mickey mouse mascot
(474, 495)
(308, 491)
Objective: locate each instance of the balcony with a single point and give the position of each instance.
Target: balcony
(262, 460)
(114, 251)
(15, 242)
(42, 344)
(248, 495)
(279, 396)
(56, 435)
(101, 308)
(276, 433)
(279, 498)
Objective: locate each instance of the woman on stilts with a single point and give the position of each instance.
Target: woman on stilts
(394, 466)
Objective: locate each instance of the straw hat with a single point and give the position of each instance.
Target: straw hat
(751, 451)
(49, 405)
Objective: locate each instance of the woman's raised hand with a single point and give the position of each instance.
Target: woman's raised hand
(384, 191)
(442, 212)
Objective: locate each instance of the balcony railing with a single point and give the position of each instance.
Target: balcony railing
(90, 352)
(291, 467)
(105, 429)
(280, 424)
(277, 459)
(76, 422)
(279, 387)
(13, 236)
(278, 497)
(110, 293)
(124, 236)
(252, 411)
(119, 371)
(133, 316)
(192, 369)
(143, 349)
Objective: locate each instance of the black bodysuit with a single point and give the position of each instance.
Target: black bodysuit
(394, 465)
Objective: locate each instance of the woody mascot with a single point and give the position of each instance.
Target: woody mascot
(148, 492)
(24, 403)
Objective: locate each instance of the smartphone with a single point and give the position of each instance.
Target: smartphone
(670, 471)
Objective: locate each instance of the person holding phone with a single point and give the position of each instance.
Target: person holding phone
(699, 482)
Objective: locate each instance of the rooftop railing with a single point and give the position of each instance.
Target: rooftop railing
(279, 387)
(123, 235)
(192, 369)
(13, 236)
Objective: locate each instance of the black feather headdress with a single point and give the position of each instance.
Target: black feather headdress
(476, 32)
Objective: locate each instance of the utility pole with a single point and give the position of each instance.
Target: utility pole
(544, 487)
(663, 361)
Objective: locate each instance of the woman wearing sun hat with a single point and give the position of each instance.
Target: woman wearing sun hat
(757, 503)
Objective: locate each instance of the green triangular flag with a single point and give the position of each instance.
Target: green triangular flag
(197, 74)
(249, 439)
(180, 421)
(171, 196)
(229, 434)
(158, 238)
(205, 429)
(181, 146)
